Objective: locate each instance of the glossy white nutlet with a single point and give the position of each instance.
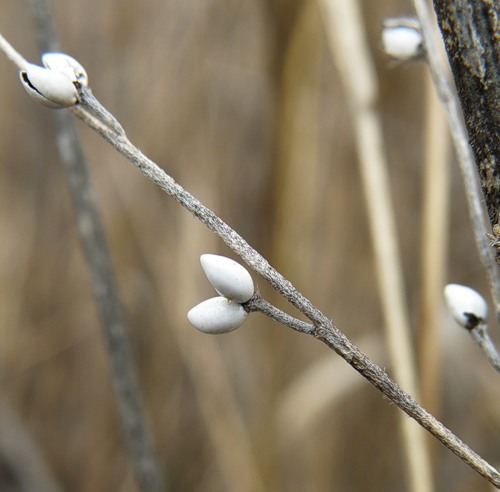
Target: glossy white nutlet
(50, 88)
(66, 65)
(227, 277)
(402, 39)
(466, 305)
(217, 315)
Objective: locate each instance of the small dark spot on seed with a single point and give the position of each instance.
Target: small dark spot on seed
(472, 321)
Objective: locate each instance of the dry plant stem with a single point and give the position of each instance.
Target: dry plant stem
(12, 54)
(463, 150)
(298, 143)
(107, 297)
(434, 245)
(347, 41)
(324, 329)
(481, 336)
(109, 307)
(258, 303)
(21, 460)
(96, 108)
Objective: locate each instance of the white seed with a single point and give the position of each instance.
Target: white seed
(466, 305)
(217, 315)
(402, 39)
(50, 88)
(227, 277)
(67, 65)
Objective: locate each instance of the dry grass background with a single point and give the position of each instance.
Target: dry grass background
(241, 103)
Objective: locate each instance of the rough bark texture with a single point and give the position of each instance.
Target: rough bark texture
(471, 30)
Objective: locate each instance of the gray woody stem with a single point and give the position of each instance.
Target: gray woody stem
(471, 33)
(481, 336)
(257, 303)
(324, 329)
(107, 297)
(114, 326)
(465, 156)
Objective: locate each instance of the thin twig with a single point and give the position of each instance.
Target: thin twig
(463, 150)
(107, 297)
(258, 303)
(324, 329)
(97, 109)
(481, 336)
(12, 54)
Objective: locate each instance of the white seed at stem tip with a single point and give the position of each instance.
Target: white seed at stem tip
(402, 39)
(228, 277)
(52, 89)
(66, 65)
(466, 305)
(217, 315)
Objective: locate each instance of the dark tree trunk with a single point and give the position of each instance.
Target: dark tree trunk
(471, 31)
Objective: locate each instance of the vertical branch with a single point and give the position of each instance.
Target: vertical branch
(109, 307)
(471, 33)
(465, 156)
(20, 458)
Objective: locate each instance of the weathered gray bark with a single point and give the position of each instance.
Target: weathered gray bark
(471, 31)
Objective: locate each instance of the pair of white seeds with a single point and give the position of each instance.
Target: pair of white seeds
(234, 285)
(55, 84)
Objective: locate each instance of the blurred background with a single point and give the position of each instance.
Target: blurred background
(242, 103)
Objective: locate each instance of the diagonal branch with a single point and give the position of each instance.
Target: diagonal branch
(324, 329)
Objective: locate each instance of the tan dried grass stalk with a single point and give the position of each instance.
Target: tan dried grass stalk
(434, 246)
(346, 37)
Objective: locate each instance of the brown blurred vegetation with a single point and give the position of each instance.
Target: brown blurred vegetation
(239, 101)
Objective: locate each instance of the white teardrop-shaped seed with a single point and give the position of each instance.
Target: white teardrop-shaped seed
(52, 89)
(466, 305)
(217, 315)
(67, 65)
(402, 40)
(227, 277)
